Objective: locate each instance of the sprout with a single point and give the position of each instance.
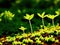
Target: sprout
(22, 28)
(8, 15)
(29, 17)
(52, 17)
(42, 16)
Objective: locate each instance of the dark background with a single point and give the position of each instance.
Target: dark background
(26, 6)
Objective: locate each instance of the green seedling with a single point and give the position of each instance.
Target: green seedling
(23, 29)
(8, 15)
(53, 17)
(29, 17)
(42, 16)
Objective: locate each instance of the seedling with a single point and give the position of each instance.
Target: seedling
(23, 29)
(52, 17)
(29, 17)
(8, 15)
(42, 16)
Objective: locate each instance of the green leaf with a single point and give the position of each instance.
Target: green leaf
(31, 16)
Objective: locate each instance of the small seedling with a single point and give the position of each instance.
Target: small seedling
(52, 17)
(23, 29)
(29, 17)
(42, 16)
(8, 15)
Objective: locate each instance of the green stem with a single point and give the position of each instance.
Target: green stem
(30, 26)
(53, 22)
(23, 31)
(43, 21)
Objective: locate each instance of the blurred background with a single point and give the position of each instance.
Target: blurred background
(20, 8)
